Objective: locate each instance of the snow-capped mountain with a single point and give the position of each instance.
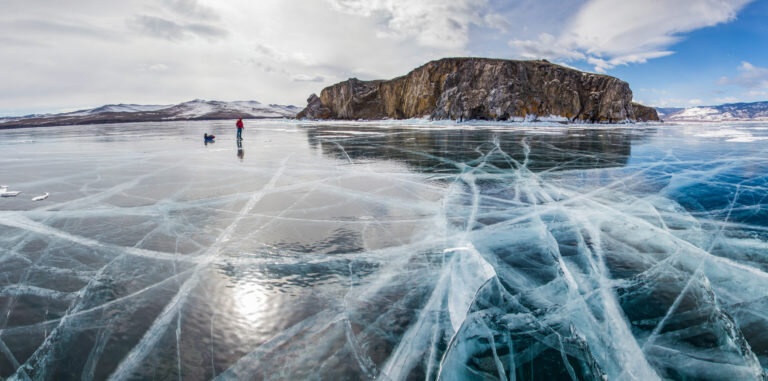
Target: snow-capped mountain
(117, 108)
(200, 109)
(197, 109)
(721, 113)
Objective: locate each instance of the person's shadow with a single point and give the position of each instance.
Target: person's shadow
(240, 151)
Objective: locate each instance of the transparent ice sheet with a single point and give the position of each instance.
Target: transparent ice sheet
(398, 250)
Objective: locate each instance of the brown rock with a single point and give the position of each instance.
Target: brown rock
(481, 88)
(315, 109)
(645, 113)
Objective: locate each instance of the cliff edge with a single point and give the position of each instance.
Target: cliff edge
(483, 88)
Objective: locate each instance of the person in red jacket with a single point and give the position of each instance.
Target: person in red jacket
(239, 125)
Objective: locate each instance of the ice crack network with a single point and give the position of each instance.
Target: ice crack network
(392, 251)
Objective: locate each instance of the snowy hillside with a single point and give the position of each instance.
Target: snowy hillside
(117, 108)
(197, 109)
(721, 113)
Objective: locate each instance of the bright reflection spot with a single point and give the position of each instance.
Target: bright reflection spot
(250, 299)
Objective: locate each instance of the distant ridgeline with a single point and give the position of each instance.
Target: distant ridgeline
(483, 88)
(124, 113)
(757, 111)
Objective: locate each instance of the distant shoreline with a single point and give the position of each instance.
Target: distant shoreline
(197, 109)
(437, 123)
(11, 125)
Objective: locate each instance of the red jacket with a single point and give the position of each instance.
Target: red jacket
(239, 123)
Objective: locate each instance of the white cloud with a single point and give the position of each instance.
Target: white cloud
(756, 93)
(673, 102)
(652, 90)
(167, 51)
(601, 65)
(69, 29)
(280, 51)
(192, 9)
(607, 27)
(727, 100)
(546, 47)
(279, 55)
(307, 78)
(498, 22)
(435, 23)
(166, 29)
(611, 33)
(155, 67)
(750, 76)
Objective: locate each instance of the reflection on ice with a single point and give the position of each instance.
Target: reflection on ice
(350, 251)
(442, 150)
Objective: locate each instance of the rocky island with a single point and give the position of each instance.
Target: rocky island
(485, 89)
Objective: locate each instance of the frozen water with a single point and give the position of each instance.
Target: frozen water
(393, 250)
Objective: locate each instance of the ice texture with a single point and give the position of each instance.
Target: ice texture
(393, 251)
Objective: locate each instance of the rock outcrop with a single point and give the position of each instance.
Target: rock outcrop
(316, 108)
(645, 113)
(482, 88)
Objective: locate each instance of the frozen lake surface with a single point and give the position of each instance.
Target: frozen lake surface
(394, 251)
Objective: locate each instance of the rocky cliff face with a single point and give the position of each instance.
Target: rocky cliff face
(482, 88)
(645, 113)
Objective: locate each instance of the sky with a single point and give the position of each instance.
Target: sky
(66, 55)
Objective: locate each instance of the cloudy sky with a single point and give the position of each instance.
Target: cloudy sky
(66, 55)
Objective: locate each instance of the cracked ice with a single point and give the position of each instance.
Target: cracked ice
(393, 250)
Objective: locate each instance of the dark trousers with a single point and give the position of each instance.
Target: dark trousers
(239, 133)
